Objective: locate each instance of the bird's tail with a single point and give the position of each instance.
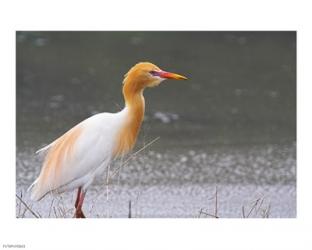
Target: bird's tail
(35, 194)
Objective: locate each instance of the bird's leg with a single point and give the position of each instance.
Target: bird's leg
(78, 195)
(78, 204)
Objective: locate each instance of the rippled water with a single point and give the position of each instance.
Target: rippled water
(180, 183)
(231, 126)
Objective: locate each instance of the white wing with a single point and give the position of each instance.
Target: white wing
(75, 158)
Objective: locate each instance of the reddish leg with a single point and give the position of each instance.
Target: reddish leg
(78, 204)
(78, 195)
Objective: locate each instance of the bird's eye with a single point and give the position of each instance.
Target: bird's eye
(153, 73)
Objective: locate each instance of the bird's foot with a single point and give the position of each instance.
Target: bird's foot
(79, 214)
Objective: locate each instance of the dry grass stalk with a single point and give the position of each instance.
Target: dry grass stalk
(129, 214)
(132, 156)
(215, 215)
(37, 215)
(51, 207)
(216, 203)
(256, 207)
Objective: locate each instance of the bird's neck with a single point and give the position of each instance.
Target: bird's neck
(135, 105)
(134, 101)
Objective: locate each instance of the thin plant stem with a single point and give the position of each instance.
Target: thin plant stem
(28, 208)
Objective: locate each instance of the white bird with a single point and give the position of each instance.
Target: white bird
(82, 153)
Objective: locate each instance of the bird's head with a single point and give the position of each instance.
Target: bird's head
(146, 74)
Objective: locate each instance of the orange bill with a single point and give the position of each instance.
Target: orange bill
(169, 75)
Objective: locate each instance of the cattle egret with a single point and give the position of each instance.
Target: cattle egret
(85, 151)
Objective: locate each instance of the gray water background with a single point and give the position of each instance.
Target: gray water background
(232, 125)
